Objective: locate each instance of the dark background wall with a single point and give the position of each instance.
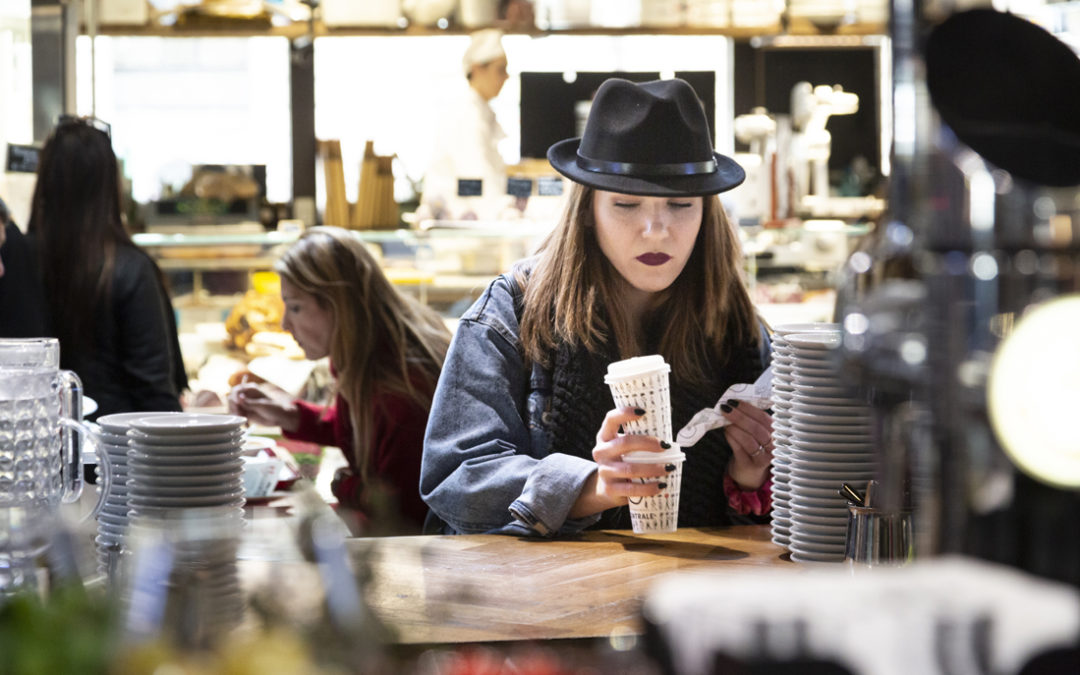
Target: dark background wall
(547, 103)
(765, 75)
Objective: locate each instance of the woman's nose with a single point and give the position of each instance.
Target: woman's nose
(655, 222)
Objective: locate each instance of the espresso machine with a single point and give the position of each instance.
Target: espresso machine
(981, 237)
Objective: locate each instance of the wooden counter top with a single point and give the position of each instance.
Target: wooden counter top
(490, 588)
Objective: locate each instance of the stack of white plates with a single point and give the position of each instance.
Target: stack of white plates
(822, 436)
(113, 519)
(184, 460)
(185, 478)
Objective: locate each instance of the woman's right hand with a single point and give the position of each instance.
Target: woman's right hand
(615, 481)
(265, 404)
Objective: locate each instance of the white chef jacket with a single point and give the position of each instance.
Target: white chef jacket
(466, 146)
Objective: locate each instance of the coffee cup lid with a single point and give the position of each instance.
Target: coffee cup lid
(635, 367)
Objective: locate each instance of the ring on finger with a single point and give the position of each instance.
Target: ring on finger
(760, 449)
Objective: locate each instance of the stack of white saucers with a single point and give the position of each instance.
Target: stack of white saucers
(185, 476)
(782, 390)
(184, 460)
(822, 430)
(111, 440)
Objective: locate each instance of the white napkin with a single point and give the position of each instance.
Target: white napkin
(758, 394)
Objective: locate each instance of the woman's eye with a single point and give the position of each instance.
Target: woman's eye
(680, 205)
(625, 205)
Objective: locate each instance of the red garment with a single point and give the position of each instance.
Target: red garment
(395, 457)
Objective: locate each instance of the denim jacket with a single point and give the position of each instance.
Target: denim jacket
(487, 465)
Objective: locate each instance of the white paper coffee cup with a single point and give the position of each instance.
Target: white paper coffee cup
(642, 382)
(661, 512)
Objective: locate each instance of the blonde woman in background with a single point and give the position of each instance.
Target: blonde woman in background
(386, 351)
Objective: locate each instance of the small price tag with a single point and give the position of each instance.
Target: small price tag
(470, 187)
(550, 187)
(519, 187)
(22, 158)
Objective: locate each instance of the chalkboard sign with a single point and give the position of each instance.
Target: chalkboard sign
(22, 158)
(519, 187)
(470, 187)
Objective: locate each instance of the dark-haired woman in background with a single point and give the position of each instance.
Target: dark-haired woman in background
(104, 296)
(22, 312)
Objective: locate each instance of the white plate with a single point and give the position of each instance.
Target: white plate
(801, 380)
(826, 483)
(143, 491)
(826, 340)
(826, 494)
(192, 469)
(188, 423)
(802, 556)
(798, 327)
(827, 425)
(846, 421)
(797, 447)
(825, 518)
(827, 530)
(812, 437)
(200, 480)
(138, 459)
(837, 414)
(800, 503)
(192, 438)
(855, 478)
(119, 423)
(193, 449)
(804, 545)
(226, 499)
(830, 400)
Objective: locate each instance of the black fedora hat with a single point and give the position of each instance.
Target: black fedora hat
(648, 139)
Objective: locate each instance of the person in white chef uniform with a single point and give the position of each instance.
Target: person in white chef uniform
(467, 176)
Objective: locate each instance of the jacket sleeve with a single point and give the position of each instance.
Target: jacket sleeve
(480, 472)
(316, 425)
(399, 440)
(146, 349)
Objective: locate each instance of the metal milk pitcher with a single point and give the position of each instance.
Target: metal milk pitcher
(40, 449)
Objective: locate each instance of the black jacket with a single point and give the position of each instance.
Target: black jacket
(133, 362)
(22, 300)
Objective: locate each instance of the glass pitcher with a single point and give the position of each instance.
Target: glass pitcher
(41, 438)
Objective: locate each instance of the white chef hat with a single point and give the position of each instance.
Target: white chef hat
(484, 47)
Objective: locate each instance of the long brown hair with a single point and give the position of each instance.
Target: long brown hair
(571, 294)
(75, 219)
(382, 340)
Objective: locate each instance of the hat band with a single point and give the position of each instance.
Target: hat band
(639, 169)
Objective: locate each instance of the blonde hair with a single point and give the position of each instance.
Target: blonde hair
(382, 340)
(571, 294)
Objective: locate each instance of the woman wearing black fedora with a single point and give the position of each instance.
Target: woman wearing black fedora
(523, 433)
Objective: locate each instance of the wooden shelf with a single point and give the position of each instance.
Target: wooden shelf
(299, 30)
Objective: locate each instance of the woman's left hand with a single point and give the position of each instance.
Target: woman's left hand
(749, 433)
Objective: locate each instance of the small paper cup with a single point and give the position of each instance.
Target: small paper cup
(642, 382)
(659, 513)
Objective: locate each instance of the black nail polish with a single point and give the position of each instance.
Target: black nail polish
(665, 445)
(662, 485)
(725, 407)
(769, 410)
(734, 402)
(669, 467)
(639, 411)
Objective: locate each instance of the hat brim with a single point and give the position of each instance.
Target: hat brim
(728, 174)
